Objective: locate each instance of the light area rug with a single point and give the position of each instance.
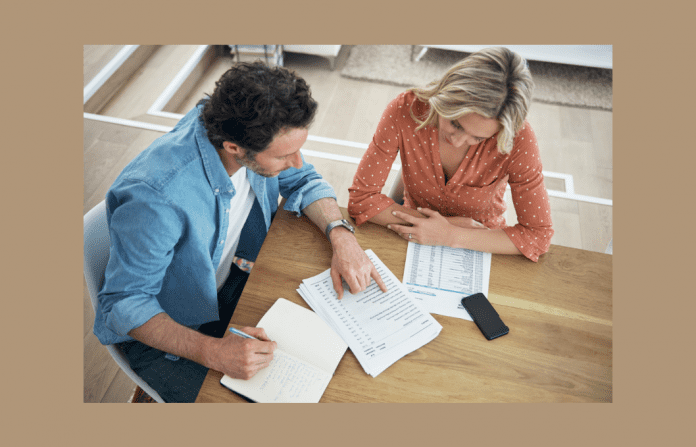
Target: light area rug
(562, 84)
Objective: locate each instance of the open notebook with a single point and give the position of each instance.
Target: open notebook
(303, 364)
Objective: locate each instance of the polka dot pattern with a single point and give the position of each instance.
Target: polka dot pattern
(471, 192)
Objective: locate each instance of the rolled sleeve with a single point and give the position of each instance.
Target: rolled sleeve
(144, 228)
(130, 313)
(302, 187)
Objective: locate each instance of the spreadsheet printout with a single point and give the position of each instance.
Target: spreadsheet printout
(439, 277)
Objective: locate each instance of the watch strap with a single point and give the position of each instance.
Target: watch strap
(338, 223)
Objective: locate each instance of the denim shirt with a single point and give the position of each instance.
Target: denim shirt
(168, 213)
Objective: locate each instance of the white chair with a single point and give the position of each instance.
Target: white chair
(396, 192)
(96, 250)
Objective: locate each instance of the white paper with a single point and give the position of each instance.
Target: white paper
(380, 328)
(439, 277)
(303, 364)
(287, 379)
(303, 334)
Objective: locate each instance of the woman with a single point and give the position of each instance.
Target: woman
(461, 140)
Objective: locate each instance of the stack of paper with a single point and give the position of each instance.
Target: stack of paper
(380, 328)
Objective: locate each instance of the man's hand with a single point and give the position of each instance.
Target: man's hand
(350, 263)
(233, 355)
(242, 358)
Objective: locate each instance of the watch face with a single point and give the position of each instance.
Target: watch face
(348, 225)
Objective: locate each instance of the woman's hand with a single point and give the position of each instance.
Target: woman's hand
(434, 229)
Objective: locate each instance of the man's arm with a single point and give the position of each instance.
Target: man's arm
(233, 355)
(349, 260)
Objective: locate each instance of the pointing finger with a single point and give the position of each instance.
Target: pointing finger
(378, 279)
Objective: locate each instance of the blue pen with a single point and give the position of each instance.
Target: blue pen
(241, 334)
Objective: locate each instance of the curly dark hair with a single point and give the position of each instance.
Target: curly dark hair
(252, 102)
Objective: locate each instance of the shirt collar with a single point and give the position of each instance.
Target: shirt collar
(218, 178)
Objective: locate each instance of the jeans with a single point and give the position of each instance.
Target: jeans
(177, 379)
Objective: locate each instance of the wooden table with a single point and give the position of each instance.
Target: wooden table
(559, 312)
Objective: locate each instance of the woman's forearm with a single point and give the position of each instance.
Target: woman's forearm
(386, 217)
(490, 241)
(453, 233)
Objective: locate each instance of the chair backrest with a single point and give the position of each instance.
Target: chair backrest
(396, 191)
(96, 249)
(96, 255)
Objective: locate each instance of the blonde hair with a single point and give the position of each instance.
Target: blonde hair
(494, 83)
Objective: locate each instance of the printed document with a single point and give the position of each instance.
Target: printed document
(439, 277)
(380, 328)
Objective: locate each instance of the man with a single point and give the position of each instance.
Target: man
(187, 218)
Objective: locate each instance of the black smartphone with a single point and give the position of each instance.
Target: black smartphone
(485, 316)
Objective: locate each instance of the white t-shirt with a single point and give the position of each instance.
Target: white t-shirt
(240, 206)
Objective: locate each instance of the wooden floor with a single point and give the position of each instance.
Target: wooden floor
(573, 141)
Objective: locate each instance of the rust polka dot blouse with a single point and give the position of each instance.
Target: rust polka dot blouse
(469, 193)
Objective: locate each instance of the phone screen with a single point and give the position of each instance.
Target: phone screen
(485, 316)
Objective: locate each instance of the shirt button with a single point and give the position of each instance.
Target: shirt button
(217, 190)
(222, 241)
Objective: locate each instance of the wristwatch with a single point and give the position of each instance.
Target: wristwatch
(338, 223)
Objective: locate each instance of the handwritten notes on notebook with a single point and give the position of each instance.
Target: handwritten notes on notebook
(303, 364)
(380, 328)
(439, 277)
(288, 379)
